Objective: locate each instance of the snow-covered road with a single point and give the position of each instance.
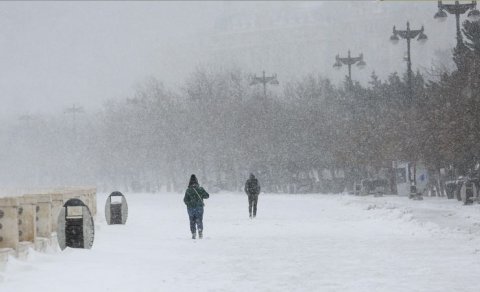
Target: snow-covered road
(296, 243)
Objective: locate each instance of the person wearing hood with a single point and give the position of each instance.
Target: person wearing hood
(252, 189)
(194, 196)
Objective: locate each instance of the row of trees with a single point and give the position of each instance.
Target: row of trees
(221, 128)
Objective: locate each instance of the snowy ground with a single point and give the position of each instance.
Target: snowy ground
(297, 243)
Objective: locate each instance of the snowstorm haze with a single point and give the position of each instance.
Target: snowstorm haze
(55, 54)
(139, 95)
(362, 157)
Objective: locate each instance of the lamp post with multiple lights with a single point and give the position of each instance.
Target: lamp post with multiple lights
(264, 80)
(349, 61)
(457, 9)
(74, 110)
(408, 34)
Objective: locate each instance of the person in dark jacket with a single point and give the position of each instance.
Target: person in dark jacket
(193, 199)
(252, 188)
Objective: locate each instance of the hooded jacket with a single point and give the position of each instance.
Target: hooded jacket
(251, 186)
(194, 194)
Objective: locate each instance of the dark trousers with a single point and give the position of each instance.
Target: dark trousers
(252, 204)
(196, 219)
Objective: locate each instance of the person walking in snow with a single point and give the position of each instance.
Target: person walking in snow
(252, 188)
(193, 199)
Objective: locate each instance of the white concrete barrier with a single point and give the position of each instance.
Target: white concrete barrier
(30, 221)
(92, 200)
(5, 253)
(23, 248)
(42, 244)
(57, 204)
(9, 223)
(27, 224)
(44, 215)
(86, 195)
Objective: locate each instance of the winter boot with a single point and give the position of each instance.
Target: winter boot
(193, 235)
(200, 234)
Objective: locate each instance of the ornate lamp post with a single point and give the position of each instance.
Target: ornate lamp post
(349, 61)
(74, 110)
(264, 80)
(457, 9)
(408, 34)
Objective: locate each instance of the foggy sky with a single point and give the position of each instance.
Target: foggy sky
(55, 54)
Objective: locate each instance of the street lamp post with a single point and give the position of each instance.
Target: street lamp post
(409, 34)
(264, 80)
(74, 110)
(267, 123)
(349, 61)
(457, 9)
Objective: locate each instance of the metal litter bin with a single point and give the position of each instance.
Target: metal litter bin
(75, 225)
(116, 209)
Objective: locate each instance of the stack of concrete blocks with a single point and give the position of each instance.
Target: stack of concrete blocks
(9, 238)
(27, 225)
(57, 205)
(88, 196)
(30, 221)
(91, 200)
(43, 220)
